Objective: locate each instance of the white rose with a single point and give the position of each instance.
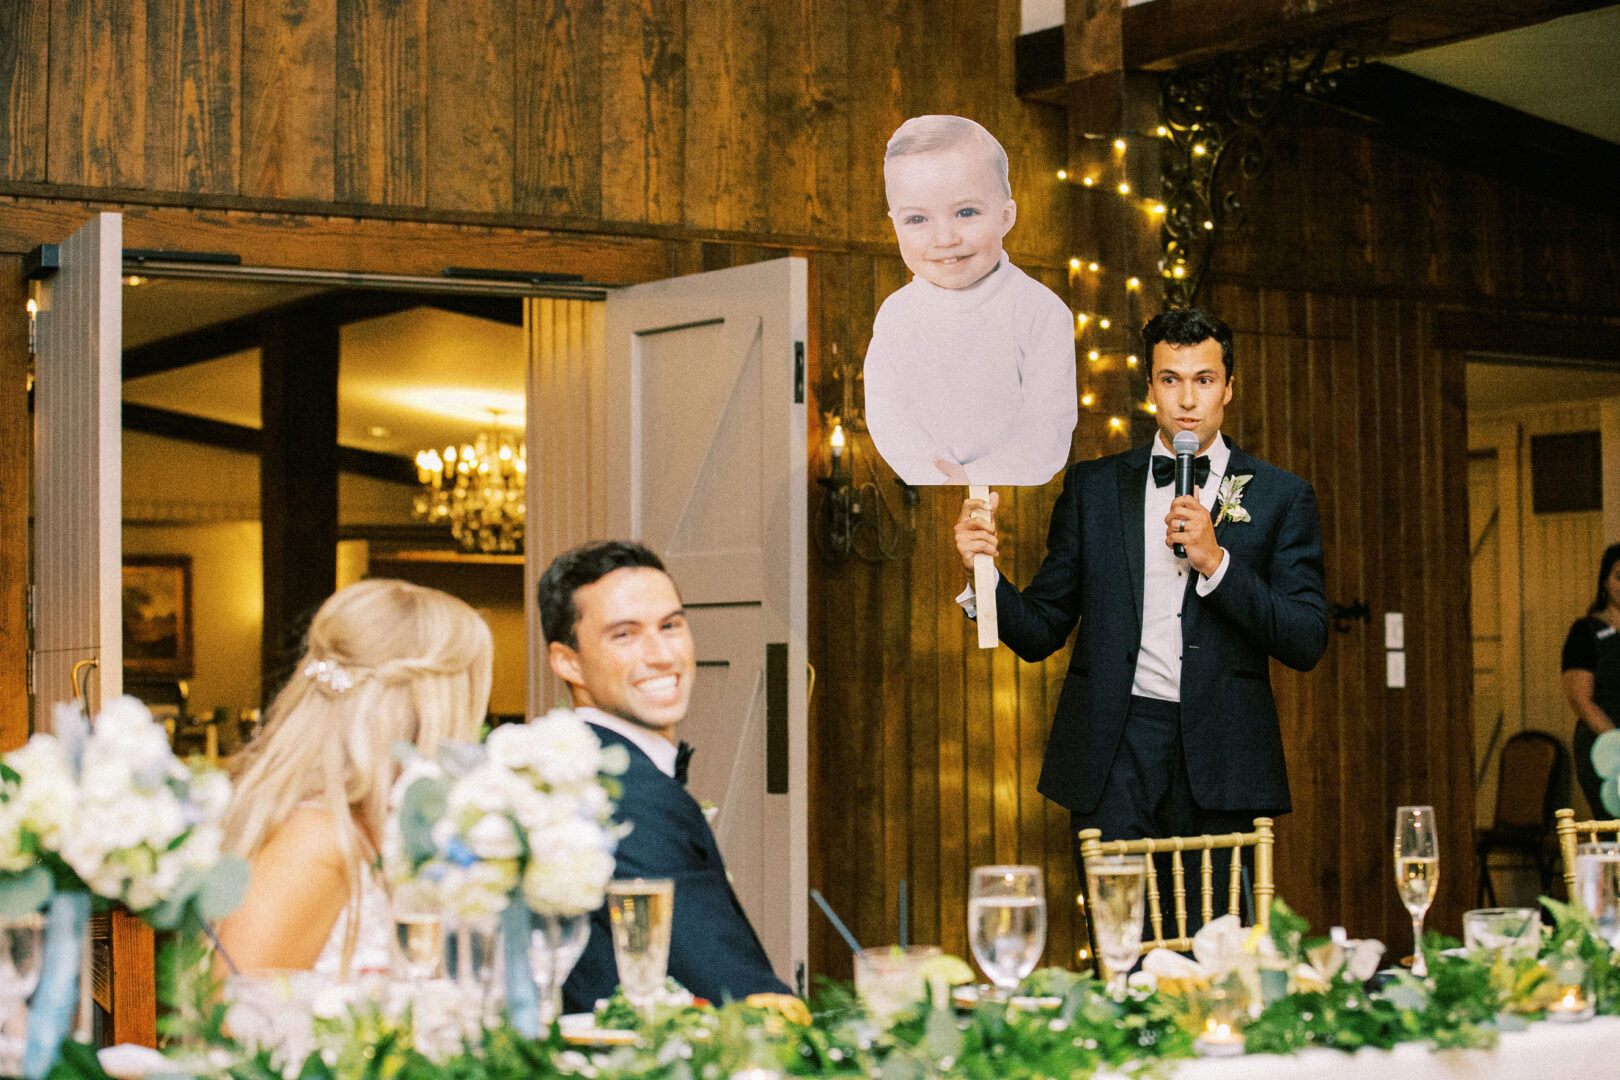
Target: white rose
(494, 837)
(568, 751)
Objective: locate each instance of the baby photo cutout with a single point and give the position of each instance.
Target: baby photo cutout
(970, 372)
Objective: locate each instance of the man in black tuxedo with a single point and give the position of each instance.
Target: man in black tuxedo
(618, 637)
(1166, 724)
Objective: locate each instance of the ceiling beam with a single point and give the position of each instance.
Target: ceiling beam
(343, 307)
(1479, 136)
(1186, 33)
(169, 424)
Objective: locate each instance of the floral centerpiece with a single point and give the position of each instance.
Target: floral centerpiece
(530, 812)
(107, 809)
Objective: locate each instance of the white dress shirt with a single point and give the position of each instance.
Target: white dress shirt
(654, 745)
(1164, 579)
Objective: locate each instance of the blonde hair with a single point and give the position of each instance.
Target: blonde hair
(935, 132)
(386, 662)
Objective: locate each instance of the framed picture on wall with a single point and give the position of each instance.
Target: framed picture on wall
(157, 615)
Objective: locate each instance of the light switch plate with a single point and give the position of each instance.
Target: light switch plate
(1395, 669)
(1394, 630)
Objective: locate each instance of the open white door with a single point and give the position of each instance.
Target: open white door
(78, 464)
(706, 465)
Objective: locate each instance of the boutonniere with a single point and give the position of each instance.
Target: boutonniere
(1231, 498)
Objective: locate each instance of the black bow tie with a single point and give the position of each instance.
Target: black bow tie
(683, 759)
(1164, 470)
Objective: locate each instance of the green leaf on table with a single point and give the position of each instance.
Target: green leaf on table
(24, 892)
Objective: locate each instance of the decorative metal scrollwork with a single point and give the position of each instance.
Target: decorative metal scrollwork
(1216, 122)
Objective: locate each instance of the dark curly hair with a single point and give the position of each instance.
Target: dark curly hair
(573, 570)
(1187, 326)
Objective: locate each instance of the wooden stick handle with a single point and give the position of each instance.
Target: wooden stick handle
(984, 581)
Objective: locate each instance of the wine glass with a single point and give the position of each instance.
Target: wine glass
(556, 942)
(1417, 871)
(1597, 885)
(641, 910)
(1117, 886)
(1006, 922)
(418, 939)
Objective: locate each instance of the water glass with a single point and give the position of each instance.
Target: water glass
(1417, 871)
(1597, 886)
(1006, 922)
(890, 979)
(22, 941)
(1117, 887)
(556, 943)
(641, 910)
(1510, 933)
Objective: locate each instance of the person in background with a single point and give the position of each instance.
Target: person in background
(1591, 664)
(386, 662)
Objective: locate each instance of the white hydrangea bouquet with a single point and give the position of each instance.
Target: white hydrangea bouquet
(107, 808)
(530, 811)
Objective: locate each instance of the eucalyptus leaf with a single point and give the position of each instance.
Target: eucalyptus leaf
(222, 889)
(422, 806)
(24, 892)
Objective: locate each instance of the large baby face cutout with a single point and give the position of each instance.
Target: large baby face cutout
(970, 373)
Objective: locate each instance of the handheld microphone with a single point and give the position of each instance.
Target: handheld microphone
(1185, 444)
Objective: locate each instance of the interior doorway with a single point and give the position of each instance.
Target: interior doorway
(1544, 499)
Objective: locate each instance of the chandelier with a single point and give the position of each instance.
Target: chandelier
(477, 489)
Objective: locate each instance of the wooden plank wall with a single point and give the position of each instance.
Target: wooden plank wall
(633, 139)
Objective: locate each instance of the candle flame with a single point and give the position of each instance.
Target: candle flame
(838, 436)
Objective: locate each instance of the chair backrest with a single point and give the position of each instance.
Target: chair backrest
(1177, 847)
(1532, 781)
(1572, 833)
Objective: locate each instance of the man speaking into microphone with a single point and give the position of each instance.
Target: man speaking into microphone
(1183, 592)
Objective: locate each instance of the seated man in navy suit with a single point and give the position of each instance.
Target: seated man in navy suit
(618, 637)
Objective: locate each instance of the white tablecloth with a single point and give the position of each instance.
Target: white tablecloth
(1585, 1051)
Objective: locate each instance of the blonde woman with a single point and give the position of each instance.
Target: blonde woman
(387, 662)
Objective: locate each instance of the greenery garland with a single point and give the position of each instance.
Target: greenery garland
(1466, 1001)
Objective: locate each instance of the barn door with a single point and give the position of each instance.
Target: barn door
(78, 465)
(706, 465)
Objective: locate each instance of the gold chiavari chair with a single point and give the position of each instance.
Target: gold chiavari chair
(1177, 848)
(1572, 833)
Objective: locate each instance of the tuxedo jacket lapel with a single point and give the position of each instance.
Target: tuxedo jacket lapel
(1132, 494)
(1236, 464)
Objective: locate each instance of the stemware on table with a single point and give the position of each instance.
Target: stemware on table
(1417, 871)
(1597, 885)
(556, 942)
(1116, 886)
(1007, 922)
(641, 910)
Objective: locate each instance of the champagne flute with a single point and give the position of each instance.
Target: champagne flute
(1417, 871)
(1597, 885)
(641, 910)
(1006, 922)
(418, 938)
(1117, 887)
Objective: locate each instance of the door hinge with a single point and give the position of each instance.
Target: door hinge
(33, 608)
(798, 373)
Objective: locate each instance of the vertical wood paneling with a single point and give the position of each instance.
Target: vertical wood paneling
(724, 162)
(193, 70)
(77, 484)
(559, 108)
(875, 55)
(470, 101)
(380, 119)
(808, 133)
(643, 110)
(289, 66)
(565, 447)
(16, 438)
(97, 86)
(25, 36)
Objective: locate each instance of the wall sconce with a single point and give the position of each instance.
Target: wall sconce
(854, 518)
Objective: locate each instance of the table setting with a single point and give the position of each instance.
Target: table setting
(495, 855)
